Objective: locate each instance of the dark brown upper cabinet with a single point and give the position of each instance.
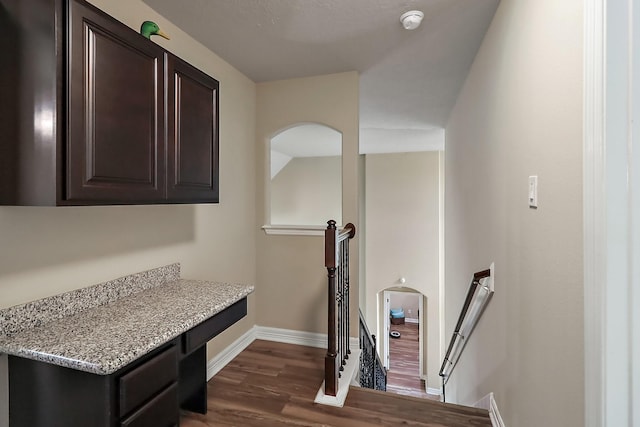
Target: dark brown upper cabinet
(115, 147)
(94, 113)
(192, 149)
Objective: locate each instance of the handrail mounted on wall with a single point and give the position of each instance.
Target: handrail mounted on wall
(478, 296)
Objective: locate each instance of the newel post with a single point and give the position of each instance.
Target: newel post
(331, 261)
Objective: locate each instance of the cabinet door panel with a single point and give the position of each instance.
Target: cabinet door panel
(116, 110)
(141, 383)
(162, 411)
(192, 169)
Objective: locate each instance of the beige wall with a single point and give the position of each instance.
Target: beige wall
(362, 230)
(409, 302)
(292, 278)
(307, 191)
(46, 251)
(520, 114)
(402, 239)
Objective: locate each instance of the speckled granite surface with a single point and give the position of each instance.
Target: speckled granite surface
(35, 313)
(105, 338)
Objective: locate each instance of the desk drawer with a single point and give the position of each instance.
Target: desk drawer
(162, 411)
(138, 385)
(211, 327)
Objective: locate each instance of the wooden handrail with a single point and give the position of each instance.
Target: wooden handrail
(332, 238)
(336, 260)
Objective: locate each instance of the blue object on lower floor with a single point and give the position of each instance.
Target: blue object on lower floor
(397, 312)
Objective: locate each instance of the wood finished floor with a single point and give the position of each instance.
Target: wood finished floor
(404, 354)
(274, 384)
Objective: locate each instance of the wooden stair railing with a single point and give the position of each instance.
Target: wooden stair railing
(373, 374)
(336, 260)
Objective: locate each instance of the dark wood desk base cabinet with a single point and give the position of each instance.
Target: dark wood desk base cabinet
(146, 393)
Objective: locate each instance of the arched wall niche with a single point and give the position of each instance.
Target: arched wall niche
(304, 176)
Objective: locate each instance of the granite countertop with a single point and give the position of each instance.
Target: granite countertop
(105, 338)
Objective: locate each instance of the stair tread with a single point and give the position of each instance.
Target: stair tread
(413, 408)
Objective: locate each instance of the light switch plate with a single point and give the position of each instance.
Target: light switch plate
(533, 191)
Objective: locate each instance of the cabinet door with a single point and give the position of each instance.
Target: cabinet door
(192, 157)
(115, 145)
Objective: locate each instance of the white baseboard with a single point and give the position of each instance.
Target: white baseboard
(494, 414)
(221, 360)
(411, 320)
(290, 336)
(436, 391)
(287, 336)
(430, 390)
(489, 403)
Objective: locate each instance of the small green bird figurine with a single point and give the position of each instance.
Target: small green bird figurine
(150, 28)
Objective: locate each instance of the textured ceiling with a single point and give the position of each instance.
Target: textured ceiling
(409, 80)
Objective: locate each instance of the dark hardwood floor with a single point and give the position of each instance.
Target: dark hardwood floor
(274, 384)
(404, 371)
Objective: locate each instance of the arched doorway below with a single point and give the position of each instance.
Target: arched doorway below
(404, 318)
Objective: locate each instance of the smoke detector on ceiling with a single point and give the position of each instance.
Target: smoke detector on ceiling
(412, 19)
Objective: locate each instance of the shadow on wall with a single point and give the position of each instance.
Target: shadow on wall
(35, 237)
(297, 295)
(318, 309)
